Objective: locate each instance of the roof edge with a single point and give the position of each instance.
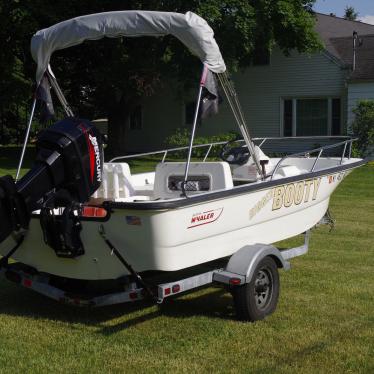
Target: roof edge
(335, 59)
(342, 18)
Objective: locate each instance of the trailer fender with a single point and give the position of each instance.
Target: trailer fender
(243, 263)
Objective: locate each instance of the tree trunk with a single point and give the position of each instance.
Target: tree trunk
(118, 123)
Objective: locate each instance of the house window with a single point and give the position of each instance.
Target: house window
(311, 116)
(136, 118)
(287, 118)
(336, 117)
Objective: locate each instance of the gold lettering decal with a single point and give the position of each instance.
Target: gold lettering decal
(308, 183)
(299, 193)
(278, 197)
(260, 204)
(317, 182)
(288, 199)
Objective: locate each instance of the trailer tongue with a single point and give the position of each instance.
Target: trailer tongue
(67, 171)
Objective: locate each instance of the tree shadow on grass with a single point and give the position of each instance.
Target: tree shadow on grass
(20, 302)
(214, 304)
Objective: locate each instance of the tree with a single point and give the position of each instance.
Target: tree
(363, 127)
(15, 83)
(110, 77)
(350, 13)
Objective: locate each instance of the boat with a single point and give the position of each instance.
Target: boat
(181, 215)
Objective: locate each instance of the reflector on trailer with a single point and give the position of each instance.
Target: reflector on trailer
(27, 283)
(176, 288)
(133, 295)
(13, 276)
(235, 281)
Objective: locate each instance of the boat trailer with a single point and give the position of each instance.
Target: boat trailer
(243, 268)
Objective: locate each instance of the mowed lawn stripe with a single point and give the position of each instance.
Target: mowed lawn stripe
(323, 324)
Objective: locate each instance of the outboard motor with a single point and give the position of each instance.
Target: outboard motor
(67, 171)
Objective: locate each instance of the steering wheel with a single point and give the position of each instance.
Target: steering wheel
(234, 155)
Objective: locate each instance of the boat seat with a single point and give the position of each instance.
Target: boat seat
(117, 183)
(288, 171)
(202, 177)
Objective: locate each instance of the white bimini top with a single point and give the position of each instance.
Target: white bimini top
(192, 30)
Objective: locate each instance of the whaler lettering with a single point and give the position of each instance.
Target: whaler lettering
(295, 193)
(199, 219)
(202, 217)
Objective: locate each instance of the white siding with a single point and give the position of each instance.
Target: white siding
(260, 90)
(356, 93)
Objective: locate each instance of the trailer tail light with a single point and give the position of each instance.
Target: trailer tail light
(167, 291)
(133, 295)
(235, 281)
(93, 212)
(27, 283)
(176, 288)
(13, 276)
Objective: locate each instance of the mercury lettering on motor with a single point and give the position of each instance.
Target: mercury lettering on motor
(95, 145)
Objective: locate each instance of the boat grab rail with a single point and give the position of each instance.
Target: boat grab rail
(262, 141)
(320, 150)
(166, 151)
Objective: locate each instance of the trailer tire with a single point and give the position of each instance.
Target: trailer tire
(257, 299)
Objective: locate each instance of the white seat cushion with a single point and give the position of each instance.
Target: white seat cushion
(117, 182)
(203, 177)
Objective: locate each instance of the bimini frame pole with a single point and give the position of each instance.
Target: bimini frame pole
(234, 103)
(196, 116)
(53, 82)
(26, 137)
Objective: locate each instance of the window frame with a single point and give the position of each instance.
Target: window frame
(294, 100)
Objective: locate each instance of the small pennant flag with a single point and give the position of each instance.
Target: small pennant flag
(43, 94)
(210, 95)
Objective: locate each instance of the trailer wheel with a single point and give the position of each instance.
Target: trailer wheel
(258, 298)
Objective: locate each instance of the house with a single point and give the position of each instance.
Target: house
(296, 95)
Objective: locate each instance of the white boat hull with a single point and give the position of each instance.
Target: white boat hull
(174, 239)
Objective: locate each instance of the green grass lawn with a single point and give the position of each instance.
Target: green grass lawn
(324, 322)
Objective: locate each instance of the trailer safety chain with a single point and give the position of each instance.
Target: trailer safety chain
(4, 260)
(115, 251)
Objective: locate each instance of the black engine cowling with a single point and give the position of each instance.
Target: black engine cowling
(69, 163)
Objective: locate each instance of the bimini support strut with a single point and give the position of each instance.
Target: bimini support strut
(26, 137)
(53, 82)
(196, 116)
(235, 106)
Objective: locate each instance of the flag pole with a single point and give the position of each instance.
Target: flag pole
(196, 115)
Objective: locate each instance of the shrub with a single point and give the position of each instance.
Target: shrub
(363, 127)
(181, 138)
